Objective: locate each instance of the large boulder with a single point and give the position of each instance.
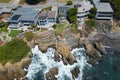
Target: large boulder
(100, 47)
(75, 72)
(64, 50)
(51, 75)
(91, 51)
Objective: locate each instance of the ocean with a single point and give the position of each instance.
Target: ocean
(107, 67)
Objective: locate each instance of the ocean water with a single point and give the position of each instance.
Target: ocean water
(43, 62)
(107, 68)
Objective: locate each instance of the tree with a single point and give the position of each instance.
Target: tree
(72, 15)
(69, 3)
(92, 13)
(33, 2)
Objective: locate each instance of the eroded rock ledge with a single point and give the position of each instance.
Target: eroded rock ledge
(16, 70)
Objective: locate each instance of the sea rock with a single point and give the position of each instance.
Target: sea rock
(71, 59)
(51, 75)
(64, 50)
(91, 61)
(57, 56)
(91, 51)
(75, 72)
(100, 47)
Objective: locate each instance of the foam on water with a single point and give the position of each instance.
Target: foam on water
(43, 62)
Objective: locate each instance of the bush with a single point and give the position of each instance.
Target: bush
(90, 23)
(54, 26)
(69, 3)
(13, 51)
(29, 36)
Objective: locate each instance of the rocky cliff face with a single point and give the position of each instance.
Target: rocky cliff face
(14, 71)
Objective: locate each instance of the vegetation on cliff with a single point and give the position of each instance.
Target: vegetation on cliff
(13, 51)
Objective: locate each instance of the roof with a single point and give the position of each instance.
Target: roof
(47, 14)
(5, 9)
(43, 15)
(54, 8)
(51, 14)
(26, 14)
(95, 1)
(103, 7)
(84, 6)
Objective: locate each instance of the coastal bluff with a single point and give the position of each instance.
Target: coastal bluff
(16, 71)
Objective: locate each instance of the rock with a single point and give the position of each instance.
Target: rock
(91, 61)
(75, 72)
(16, 70)
(100, 47)
(64, 50)
(71, 59)
(91, 51)
(57, 56)
(52, 73)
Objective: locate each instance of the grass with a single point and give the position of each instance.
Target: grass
(14, 33)
(4, 1)
(13, 51)
(3, 27)
(59, 28)
(64, 0)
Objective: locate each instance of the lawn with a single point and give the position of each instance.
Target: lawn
(13, 51)
(14, 33)
(4, 1)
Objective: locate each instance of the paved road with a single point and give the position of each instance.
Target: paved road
(14, 3)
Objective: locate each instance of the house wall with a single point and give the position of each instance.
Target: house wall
(104, 15)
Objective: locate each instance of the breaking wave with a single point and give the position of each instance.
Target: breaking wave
(43, 62)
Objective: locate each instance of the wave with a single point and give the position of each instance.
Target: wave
(43, 62)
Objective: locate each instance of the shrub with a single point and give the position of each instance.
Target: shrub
(29, 36)
(69, 3)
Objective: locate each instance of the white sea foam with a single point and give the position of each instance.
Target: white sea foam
(43, 62)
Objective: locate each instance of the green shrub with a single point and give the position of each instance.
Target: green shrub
(90, 23)
(29, 36)
(54, 26)
(69, 3)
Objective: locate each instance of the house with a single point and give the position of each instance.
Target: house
(63, 10)
(47, 17)
(104, 10)
(5, 14)
(83, 8)
(4, 10)
(24, 16)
